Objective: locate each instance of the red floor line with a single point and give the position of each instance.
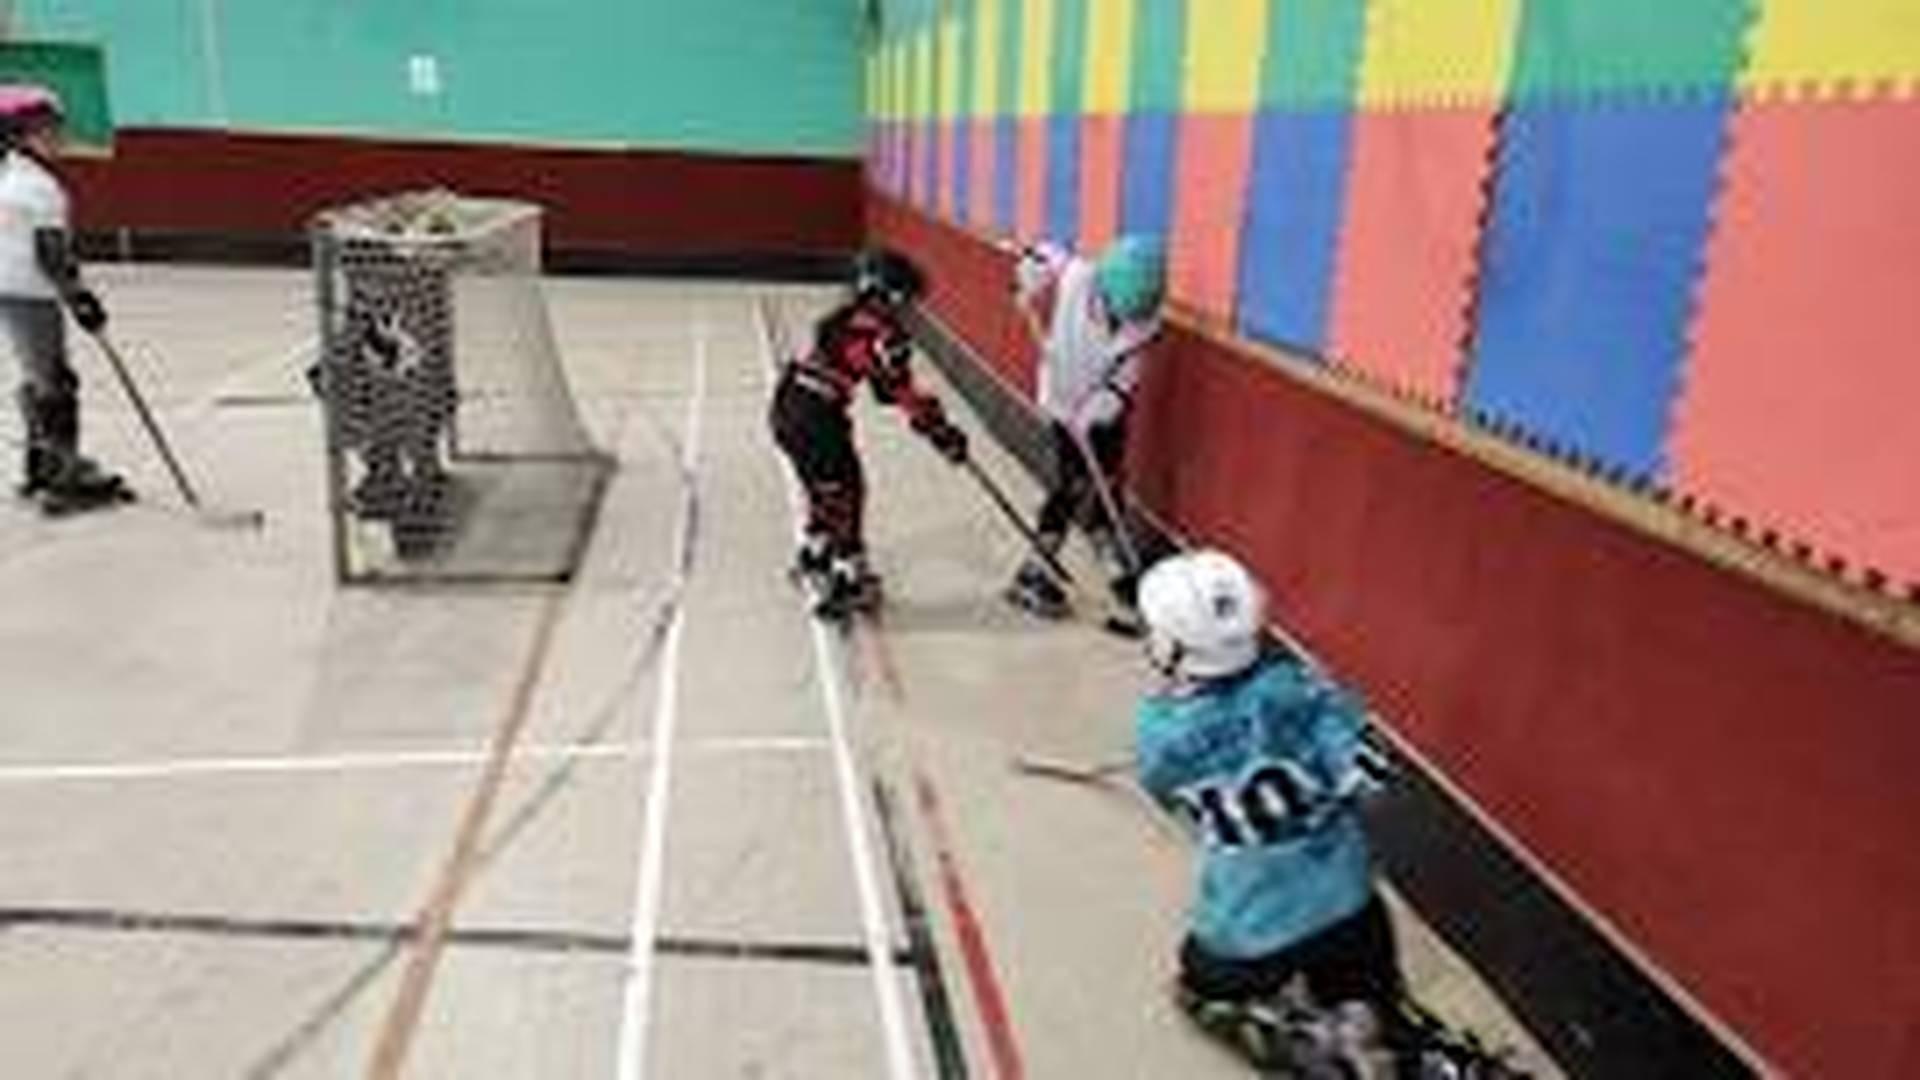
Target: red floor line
(988, 998)
(881, 657)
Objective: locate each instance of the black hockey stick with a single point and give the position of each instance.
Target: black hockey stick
(247, 519)
(1007, 510)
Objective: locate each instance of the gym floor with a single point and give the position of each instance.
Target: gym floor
(656, 822)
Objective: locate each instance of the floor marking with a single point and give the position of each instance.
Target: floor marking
(403, 1017)
(320, 763)
(184, 768)
(989, 1000)
(636, 1003)
(872, 918)
(530, 939)
(943, 1032)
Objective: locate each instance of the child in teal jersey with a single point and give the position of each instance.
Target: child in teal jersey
(1266, 761)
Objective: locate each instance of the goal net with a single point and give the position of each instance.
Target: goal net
(454, 447)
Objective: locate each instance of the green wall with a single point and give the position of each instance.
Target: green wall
(745, 76)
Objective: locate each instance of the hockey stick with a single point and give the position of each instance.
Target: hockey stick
(243, 519)
(1007, 510)
(1092, 772)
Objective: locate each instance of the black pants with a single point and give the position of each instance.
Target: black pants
(49, 389)
(1072, 497)
(1352, 960)
(816, 434)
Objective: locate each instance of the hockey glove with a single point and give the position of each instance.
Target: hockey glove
(950, 441)
(932, 423)
(87, 310)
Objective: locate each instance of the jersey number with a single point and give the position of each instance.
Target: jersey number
(1255, 812)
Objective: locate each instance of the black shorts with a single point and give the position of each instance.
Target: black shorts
(815, 433)
(1352, 960)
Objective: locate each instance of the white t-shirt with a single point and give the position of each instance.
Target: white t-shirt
(1088, 367)
(31, 199)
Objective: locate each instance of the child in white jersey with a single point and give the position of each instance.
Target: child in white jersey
(1099, 314)
(39, 274)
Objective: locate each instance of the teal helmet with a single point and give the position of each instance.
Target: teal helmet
(1132, 275)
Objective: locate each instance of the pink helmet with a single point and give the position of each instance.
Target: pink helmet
(24, 106)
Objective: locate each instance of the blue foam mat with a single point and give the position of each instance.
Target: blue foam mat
(1596, 241)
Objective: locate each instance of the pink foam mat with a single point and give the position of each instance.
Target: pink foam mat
(1215, 152)
(1797, 408)
(1403, 276)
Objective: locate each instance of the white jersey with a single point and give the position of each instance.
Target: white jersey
(31, 199)
(1088, 367)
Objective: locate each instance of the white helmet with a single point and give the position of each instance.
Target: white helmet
(1204, 615)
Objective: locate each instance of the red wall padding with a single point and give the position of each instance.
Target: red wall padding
(971, 287)
(1724, 773)
(637, 201)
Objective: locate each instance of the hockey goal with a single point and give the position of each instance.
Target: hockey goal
(455, 450)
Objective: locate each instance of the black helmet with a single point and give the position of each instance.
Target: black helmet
(888, 275)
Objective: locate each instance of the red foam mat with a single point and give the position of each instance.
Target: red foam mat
(980, 174)
(1798, 407)
(1215, 150)
(1415, 194)
(1102, 143)
(1030, 191)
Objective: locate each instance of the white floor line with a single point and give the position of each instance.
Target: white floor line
(385, 761)
(636, 1002)
(313, 763)
(877, 933)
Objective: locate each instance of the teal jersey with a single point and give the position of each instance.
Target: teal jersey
(1266, 768)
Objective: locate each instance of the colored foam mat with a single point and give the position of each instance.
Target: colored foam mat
(1109, 57)
(1068, 69)
(1102, 138)
(981, 173)
(960, 170)
(1210, 192)
(943, 170)
(984, 38)
(1006, 172)
(1292, 224)
(1030, 202)
(1591, 50)
(1146, 180)
(1036, 57)
(1224, 43)
(1063, 179)
(1593, 248)
(1799, 45)
(1157, 82)
(1312, 56)
(930, 132)
(1416, 194)
(1797, 409)
(1438, 52)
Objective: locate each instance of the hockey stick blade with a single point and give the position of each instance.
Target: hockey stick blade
(1074, 772)
(233, 519)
